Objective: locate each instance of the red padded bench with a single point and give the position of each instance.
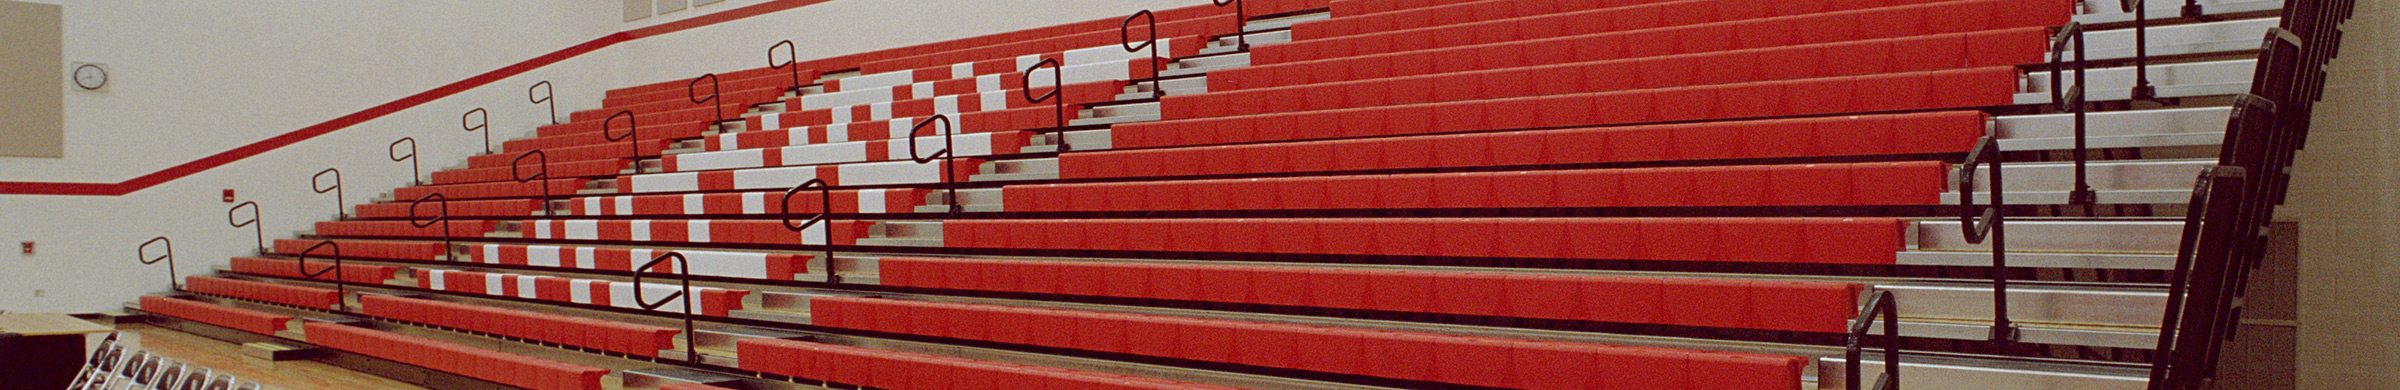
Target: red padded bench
(367, 249)
(309, 297)
(455, 228)
(1900, 183)
(478, 363)
(1767, 240)
(353, 273)
(711, 301)
(619, 337)
(751, 265)
(1752, 304)
(246, 320)
(509, 189)
(894, 200)
(507, 208)
(1480, 361)
(557, 169)
(771, 232)
(903, 370)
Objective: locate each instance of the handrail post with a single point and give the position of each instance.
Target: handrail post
(2073, 100)
(633, 128)
(792, 55)
(252, 223)
(416, 174)
(547, 93)
(824, 216)
(691, 91)
(341, 284)
(1882, 305)
(484, 124)
(683, 272)
(516, 172)
(1989, 228)
(2142, 90)
(142, 253)
(1058, 91)
(949, 159)
(317, 183)
(1157, 87)
(1241, 23)
(443, 219)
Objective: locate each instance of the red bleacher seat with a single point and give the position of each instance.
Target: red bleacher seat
(479, 363)
(246, 320)
(310, 297)
(504, 208)
(353, 273)
(455, 228)
(1801, 240)
(372, 249)
(903, 370)
(1902, 183)
(631, 339)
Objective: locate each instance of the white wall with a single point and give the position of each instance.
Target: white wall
(195, 78)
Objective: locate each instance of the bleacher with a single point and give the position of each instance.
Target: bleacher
(1355, 194)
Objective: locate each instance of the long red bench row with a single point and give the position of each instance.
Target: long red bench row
(883, 369)
(454, 229)
(778, 79)
(904, 106)
(1949, 89)
(1351, 18)
(613, 151)
(689, 386)
(353, 273)
(246, 320)
(1356, 8)
(1178, 22)
(896, 200)
(1881, 56)
(1775, 240)
(371, 249)
(1764, 33)
(961, 145)
(682, 109)
(611, 336)
(1449, 28)
(1794, 306)
(771, 232)
(1645, 36)
(878, 173)
(709, 301)
(1857, 135)
(506, 208)
(1907, 183)
(510, 189)
(751, 265)
(561, 169)
(478, 363)
(309, 297)
(1479, 361)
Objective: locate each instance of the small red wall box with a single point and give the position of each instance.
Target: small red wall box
(28, 247)
(229, 195)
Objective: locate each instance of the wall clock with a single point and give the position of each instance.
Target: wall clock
(91, 77)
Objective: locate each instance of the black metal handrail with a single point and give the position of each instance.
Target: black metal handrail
(949, 159)
(443, 219)
(483, 124)
(1882, 306)
(792, 59)
(2072, 99)
(2204, 201)
(414, 172)
(683, 272)
(1986, 225)
(1241, 23)
(142, 253)
(1125, 38)
(252, 223)
(824, 216)
(692, 91)
(341, 284)
(633, 128)
(318, 183)
(1057, 95)
(516, 172)
(547, 93)
(2142, 90)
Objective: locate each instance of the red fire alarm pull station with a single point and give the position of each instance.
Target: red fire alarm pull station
(229, 195)
(28, 247)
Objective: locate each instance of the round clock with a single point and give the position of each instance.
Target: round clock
(91, 76)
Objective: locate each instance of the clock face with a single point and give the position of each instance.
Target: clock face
(91, 76)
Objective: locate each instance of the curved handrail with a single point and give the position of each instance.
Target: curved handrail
(143, 253)
(2203, 197)
(683, 272)
(1241, 23)
(633, 128)
(2224, 236)
(1880, 306)
(1988, 227)
(949, 159)
(341, 284)
(792, 59)
(252, 223)
(485, 117)
(1124, 38)
(1057, 94)
(516, 172)
(824, 216)
(318, 183)
(691, 91)
(443, 219)
(547, 93)
(415, 173)
(2072, 100)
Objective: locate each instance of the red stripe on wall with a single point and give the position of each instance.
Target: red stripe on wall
(378, 111)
